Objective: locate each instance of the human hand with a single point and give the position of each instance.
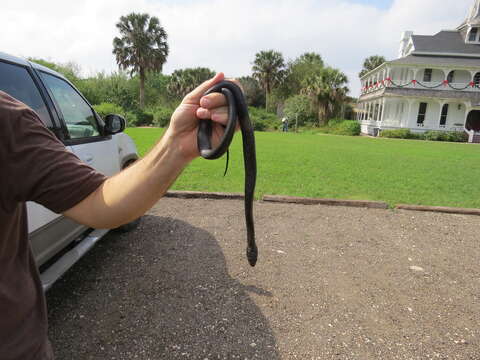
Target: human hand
(183, 128)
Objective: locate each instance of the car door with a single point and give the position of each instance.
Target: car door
(48, 232)
(84, 132)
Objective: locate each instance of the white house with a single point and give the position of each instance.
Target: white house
(433, 85)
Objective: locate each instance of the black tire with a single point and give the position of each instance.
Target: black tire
(130, 226)
(135, 223)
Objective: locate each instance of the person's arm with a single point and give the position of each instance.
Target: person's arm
(129, 194)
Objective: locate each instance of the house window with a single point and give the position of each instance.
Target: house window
(427, 75)
(443, 117)
(422, 111)
(451, 76)
(473, 34)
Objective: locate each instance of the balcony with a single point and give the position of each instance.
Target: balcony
(416, 84)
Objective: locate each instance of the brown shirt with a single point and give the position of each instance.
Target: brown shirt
(34, 166)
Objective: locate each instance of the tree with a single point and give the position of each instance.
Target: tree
(70, 69)
(268, 69)
(371, 63)
(142, 46)
(254, 94)
(328, 92)
(298, 108)
(184, 81)
(305, 66)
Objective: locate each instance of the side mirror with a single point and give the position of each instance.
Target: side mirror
(114, 124)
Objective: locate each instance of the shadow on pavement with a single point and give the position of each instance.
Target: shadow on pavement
(160, 292)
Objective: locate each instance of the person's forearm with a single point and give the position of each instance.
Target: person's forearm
(129, 194)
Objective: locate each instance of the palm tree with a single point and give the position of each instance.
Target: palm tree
(184, 81)
(254, 94)
(268, 69)
(371, 63)
(142, 46)
(327, 90)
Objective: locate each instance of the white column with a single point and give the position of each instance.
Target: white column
(441, 103)
(383, 110)
(415, 73)
(445, 73)
(379, 102)
(408, 121)
(472, 77)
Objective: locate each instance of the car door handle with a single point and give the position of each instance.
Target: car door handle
(88, 159)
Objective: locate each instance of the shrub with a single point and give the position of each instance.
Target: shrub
(436, 135)
(104, 109)
(347, 127)
(131, 119)
(341, 127)
(456, 136)
(263, 120)
(431, 135)
(144, 118)
(397, 134)
(451, 136)
(161, 115)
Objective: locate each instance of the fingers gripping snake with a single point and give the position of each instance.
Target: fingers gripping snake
(237, 111)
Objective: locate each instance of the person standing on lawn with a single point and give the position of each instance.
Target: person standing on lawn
(285, 124)
(35, 166)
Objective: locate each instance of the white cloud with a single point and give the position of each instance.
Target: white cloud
(224, 34)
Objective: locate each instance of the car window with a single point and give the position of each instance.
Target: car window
(16, 81)
(78, 115)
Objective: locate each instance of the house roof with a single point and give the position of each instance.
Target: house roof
(446, 41)
(438, 61)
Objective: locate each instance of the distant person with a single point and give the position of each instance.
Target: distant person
(285, 124)
(36, 166)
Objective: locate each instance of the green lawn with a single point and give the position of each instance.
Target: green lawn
(395, 171)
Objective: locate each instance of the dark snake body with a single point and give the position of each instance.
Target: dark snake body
(237, 111)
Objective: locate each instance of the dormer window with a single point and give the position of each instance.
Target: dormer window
(472, 35)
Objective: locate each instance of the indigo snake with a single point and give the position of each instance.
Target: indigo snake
(237, 111)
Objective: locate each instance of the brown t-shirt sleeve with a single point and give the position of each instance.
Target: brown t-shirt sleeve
(41, 169)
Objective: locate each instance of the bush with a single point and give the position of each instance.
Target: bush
(263, 120)
(397, 134)
(341, 127)
(104, 109)
(431, 135)
(144, 118)
(436, 136)
(162, 116)
(131, 119)
(456, 136)
(451, 136)
(348, 128)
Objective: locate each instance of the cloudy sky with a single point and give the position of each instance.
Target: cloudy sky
(224, 35)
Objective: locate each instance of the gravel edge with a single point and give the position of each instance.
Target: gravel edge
(320, 201)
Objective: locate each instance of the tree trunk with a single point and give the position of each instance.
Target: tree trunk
(142, 88)
(322, 112)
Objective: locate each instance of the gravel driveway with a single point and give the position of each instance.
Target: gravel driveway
(330, 283)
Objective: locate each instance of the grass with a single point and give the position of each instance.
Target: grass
(328, 166)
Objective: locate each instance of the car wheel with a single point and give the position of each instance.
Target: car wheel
(135, 223)
(130, 226)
